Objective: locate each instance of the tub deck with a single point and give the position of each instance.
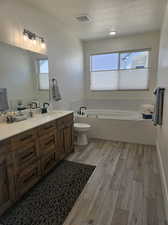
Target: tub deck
(120, 126)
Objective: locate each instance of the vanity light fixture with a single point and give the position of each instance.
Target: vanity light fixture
(33, 37)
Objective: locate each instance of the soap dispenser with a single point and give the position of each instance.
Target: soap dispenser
(45, 106)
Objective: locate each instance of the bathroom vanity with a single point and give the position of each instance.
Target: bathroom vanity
(29, 150)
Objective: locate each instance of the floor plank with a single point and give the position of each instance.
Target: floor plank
(125, 188)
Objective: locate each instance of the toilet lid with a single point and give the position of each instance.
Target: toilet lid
(81, 125)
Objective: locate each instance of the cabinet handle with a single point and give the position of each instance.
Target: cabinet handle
(26, 138)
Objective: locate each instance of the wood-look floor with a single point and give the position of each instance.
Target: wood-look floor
(124, 189)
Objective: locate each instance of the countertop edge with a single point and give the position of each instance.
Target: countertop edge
(65, 113)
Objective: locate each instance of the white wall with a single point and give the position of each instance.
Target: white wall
(65, 51)
(162, 132)
(122, 99)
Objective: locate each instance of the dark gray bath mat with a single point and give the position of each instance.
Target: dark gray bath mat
(50, 201)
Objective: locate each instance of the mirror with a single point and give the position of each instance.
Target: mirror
(25, 77)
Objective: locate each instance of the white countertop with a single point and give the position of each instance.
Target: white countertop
(9, 130)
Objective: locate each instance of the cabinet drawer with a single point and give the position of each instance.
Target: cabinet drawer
(5, 147)
(27, 178)
(47, 163)
(23, 139)
(47, 143)
(68, 141)
(8, 158)
(25, 155)
(45, 129)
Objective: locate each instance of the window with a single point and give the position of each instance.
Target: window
(120, 71)
(43, 72)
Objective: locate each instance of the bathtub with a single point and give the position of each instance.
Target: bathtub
(119, 125)
(113, 114)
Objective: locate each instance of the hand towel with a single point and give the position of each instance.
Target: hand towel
(55, 90)
(158, 110)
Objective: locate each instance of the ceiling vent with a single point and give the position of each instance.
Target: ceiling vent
(83, 19)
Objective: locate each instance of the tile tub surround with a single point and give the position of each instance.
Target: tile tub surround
(9, 130)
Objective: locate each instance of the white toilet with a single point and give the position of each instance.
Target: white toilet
(81, 129)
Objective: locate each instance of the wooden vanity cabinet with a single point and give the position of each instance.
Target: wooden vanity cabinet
(27, 157)
(26, 161)
(7, 188)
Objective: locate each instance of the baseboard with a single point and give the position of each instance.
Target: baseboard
(163, 181)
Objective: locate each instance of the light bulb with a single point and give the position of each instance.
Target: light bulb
(112, 33)
(25, 36)
(34, 41)
(43, 45)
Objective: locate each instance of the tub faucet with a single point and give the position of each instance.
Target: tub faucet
(82, 110)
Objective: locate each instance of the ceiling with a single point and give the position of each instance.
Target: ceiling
(124, 16)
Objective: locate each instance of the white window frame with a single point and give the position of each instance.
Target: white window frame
(38, 73)
(120, 52)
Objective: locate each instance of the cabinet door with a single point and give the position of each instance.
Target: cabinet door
(60, 144)
(6, 183)
(47, 163)
(27, 178)
(68, 138)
